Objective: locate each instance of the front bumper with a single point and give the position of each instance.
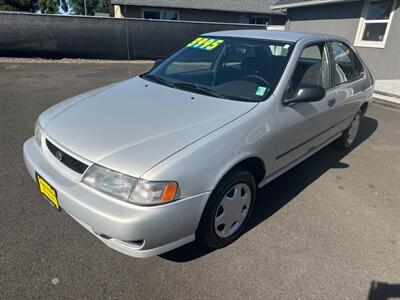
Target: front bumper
(131, 229)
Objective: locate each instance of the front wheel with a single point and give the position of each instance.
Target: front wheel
(228, 210)
(349, 135)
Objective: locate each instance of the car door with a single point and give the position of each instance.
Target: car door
(304, 126)
(350, 81)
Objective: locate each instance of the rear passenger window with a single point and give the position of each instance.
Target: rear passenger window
(347, 65)
(312, 69)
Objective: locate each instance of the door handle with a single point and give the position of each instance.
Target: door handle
(331, 102)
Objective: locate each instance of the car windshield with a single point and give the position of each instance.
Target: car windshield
(231, 68)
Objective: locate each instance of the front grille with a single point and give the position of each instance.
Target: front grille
(66, 159)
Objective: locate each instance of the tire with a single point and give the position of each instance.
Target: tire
(233, 198)
(348, 137)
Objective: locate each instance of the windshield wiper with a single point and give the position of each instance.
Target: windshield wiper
(198, 88)
(158, 80)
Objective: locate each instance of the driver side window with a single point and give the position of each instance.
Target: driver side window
(312, 69)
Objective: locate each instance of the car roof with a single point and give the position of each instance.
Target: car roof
(276, 35)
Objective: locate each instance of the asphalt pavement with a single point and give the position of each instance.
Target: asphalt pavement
(327, 229)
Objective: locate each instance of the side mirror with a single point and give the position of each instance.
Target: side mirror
(157, 62)
(307, 93)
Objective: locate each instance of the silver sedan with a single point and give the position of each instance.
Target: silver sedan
(177, 154)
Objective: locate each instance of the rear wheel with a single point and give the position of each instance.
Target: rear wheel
(349, 135)
(228, 210)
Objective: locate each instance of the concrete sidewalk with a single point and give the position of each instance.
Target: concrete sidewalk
(387, 92)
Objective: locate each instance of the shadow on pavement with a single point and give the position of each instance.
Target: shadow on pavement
(383, 291)
(283, 189)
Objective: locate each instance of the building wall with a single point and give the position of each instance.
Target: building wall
(343, 19)
(202, 16)
(131, 11)
(278, 20)
(208, 16)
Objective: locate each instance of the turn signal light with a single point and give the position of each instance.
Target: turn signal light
(169, 192)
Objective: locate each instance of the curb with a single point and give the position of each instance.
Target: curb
(386, 103)
(387, 94)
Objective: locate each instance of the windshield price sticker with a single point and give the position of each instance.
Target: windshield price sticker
(205, 43)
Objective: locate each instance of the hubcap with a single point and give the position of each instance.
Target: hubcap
(353, 129)
(232, 210)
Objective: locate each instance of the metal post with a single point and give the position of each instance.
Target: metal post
(84, 2)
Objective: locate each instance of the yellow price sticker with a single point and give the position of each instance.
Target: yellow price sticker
(205, 43)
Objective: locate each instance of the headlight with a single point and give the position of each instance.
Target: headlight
(129, 188)
(38, 133)
(110, 182)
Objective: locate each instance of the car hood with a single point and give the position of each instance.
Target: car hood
(134, 125)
